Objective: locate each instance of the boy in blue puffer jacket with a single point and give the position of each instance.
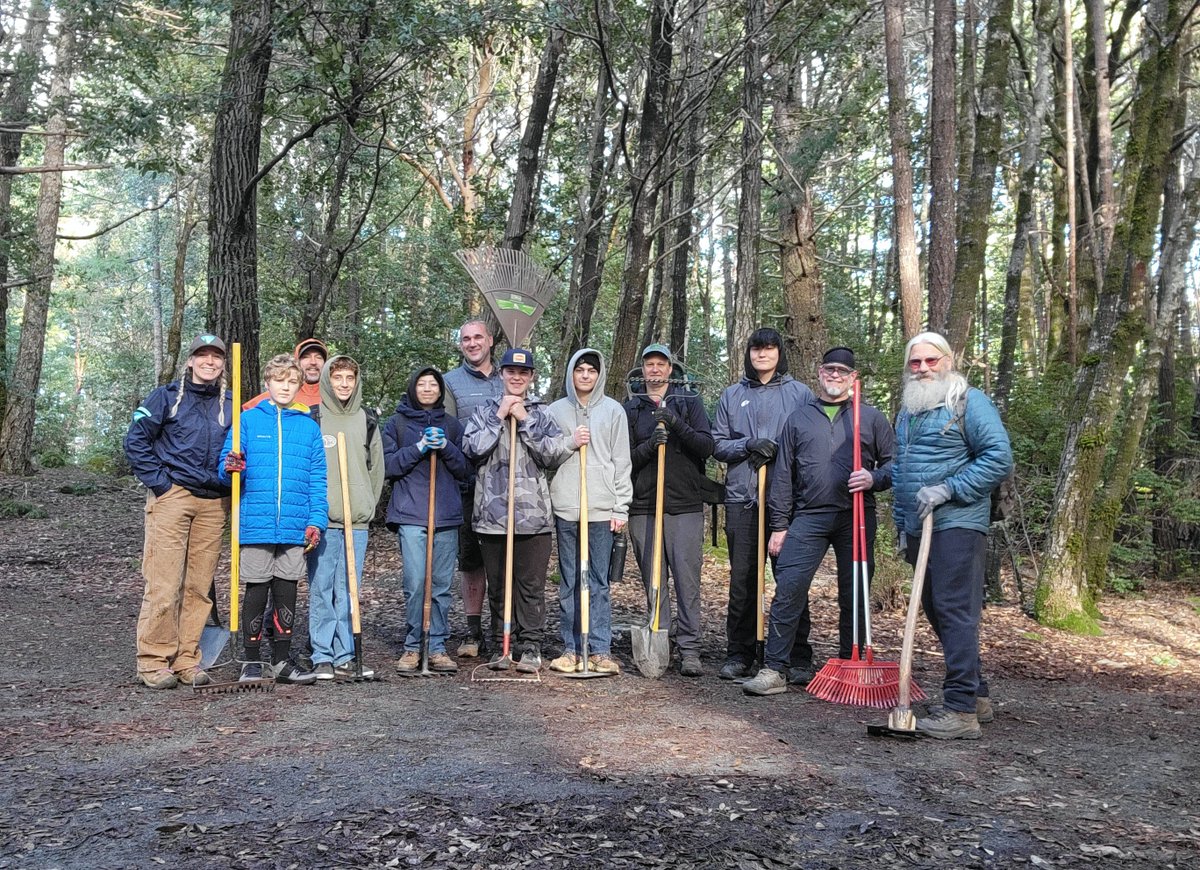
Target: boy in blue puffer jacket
(284, 510)
(419, 427)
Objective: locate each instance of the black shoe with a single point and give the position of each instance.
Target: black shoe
(530, 661)
(733, 669)
(251, 671)
(691, 667)
(293, 674)
(801, 675)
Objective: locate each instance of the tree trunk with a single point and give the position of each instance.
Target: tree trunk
(14, 106)
(975, 214)
(744, 315)
(156, 296)
(966, 105)
(1101, 147)
(232, 225)
(643, 192)
(186, 226)
(652, 322)
(905, 237)
(1063, 597)
(943, 157)
(16, 433)
(803, 295)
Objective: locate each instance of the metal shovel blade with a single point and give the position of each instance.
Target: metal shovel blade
(212, 643)
(651, 650)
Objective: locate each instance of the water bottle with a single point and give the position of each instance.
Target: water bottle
(616, 562)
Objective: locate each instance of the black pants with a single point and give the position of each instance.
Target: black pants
(741, 622)
(953, 601)
(531, 557)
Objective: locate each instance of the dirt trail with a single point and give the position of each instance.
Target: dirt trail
(1091, 760)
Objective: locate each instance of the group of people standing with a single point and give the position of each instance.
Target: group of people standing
(946, 454)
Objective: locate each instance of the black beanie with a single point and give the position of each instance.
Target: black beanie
(592, 359)
(840, 355)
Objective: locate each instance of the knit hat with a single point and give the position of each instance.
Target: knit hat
(839, 356)
(592, 359)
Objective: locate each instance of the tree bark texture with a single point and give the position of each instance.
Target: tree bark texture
(16, 432)
(943, 158)
(803, 296)
(1101, 147)
(232, 225)
(186, 221)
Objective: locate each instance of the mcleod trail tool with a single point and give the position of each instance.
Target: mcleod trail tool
(585, 582)
(427, 608)
(652, 645)
(901, 721)
(358, 676)
(266, 684)
(516, 288)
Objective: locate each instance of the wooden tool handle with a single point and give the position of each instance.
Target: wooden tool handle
(585, 601)
(760, 617)
(910, 622)
(656, 571)
(348, 529)
(430, 529)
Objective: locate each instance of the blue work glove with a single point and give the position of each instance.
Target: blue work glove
(930, 497)
(423, 445)
(435, 437)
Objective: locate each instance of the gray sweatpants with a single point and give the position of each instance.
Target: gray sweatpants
(683, 540)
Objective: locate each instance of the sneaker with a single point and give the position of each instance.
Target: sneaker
(603, 663)
(323, 671)
(471, 648)
(733, 669)
(442, 663)
(766, 682)
(567, 663)
(409, 662)
(193, 677)
(691, 667)
(251, 671)
(350, 670)
(530, 661)
(290, 673)
(801, 675)
(950, 725)
(984, 711)
(163, 678)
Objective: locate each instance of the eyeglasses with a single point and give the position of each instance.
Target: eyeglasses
(929, 361)
(836, 371)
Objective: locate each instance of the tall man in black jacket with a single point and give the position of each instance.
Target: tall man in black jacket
(689, 443)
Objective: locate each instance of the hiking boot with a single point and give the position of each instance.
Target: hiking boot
(193, 677)
(472, 647)
(984, 711)
(409, 662)
(323, 671)
(530, 661)
(349, 670)
(766, 682)
(801, 675)
(163, 678)
(603, 663)
(251, 671)
(950, 725)
(733, 669)
(290, 673)
(690, 667)
(567, 663)
(442, 663)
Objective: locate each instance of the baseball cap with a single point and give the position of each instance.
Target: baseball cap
(204, 340)
(312, 344)
(518, 357)
(660, 349)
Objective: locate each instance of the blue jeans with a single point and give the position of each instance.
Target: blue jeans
(329, 627)
(445, 553)
(600, 538)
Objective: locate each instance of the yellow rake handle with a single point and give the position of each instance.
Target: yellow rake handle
(235, 517)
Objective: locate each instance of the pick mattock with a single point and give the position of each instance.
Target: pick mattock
(901, 721)
(516, 288)
(359, 675)
(427, 608)
(266, 684)
(585, 581)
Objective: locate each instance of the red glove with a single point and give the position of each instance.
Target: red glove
(235, 461)
(312, 537)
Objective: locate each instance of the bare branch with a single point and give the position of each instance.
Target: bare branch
(124, 220)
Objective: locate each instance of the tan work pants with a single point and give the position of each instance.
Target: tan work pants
(182, 548)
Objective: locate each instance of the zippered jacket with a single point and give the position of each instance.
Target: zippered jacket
(541, 444)
(609, 468)
(967, 450)
(816, 456)
(284, 484)
(470, 389)
(182, 449)
(688, 446)
(365, 460)
(408, 468)
(747, 410)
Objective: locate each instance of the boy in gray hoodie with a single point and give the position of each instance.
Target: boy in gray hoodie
(599, 422)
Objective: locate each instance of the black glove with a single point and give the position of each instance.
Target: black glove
(763, 447)
(667, 417)
(659, 437)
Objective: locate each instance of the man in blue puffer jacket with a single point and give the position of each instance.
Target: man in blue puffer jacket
(284, 510)
(951, 451)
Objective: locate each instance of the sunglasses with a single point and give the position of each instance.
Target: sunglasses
(929, 361)
(836, 371)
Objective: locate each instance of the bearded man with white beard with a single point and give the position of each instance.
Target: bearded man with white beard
(809, 510)
(951, 451)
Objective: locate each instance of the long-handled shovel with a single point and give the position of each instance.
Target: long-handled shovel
(585, 599)
(427, 609)
(652, 645)
(359, 675)
(901, 721)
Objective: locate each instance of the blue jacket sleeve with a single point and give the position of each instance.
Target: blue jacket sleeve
(399, 459)
(991, 452)
(139, 443)
(222, 474)
(318, 493)
(727, 448)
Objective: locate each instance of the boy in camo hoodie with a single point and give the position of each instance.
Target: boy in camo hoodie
(541, 444)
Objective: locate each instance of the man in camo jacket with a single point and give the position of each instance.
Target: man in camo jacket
(541, 444)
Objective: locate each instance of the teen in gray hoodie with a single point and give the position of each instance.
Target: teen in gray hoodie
(599, 422)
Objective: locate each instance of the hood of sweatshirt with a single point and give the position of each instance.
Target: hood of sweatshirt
(598, 390)
(331, 404)
(411, 407)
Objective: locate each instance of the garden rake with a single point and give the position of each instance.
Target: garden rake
(516, 288)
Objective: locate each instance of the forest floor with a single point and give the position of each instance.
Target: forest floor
(1091, 760)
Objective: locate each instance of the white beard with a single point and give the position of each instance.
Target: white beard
(835, 391)
(924, 395)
